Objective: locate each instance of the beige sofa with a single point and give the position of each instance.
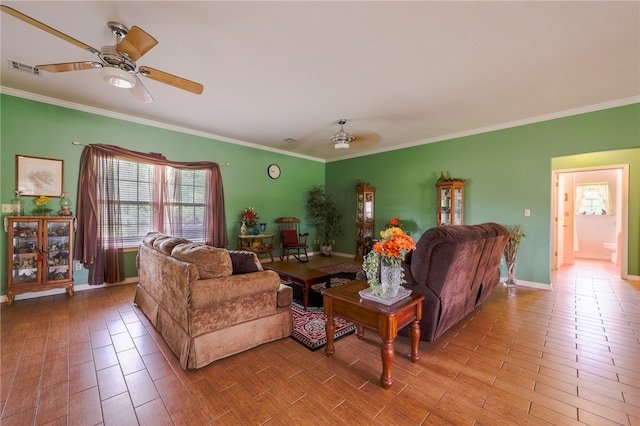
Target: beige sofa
(209, 303)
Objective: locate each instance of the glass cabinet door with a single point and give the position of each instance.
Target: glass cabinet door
(57, 246)
(445, 206)
(457, 206)
(25, 252)
(368, 207)
(451, 202)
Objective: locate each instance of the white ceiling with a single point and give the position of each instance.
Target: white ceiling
(401, 73)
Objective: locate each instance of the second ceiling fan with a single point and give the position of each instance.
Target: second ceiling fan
(117, 62)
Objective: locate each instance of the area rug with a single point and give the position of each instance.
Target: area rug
(308, 326)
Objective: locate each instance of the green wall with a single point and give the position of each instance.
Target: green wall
(506, 171)
(42, 130)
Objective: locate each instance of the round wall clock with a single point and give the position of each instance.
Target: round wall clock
(274, 171)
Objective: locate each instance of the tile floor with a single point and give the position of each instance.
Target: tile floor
(566, 356)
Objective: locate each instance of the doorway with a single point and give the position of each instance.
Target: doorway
(566, 222)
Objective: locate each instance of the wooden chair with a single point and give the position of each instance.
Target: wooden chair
(293, 242)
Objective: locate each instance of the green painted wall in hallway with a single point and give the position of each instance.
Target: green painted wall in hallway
(506, 171)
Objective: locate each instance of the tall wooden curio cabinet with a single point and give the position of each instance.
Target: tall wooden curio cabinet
(39, 252)
(451, 202)
(365, 199)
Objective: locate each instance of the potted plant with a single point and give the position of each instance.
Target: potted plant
(325, 216)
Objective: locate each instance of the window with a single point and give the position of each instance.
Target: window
(154, 198)
(593, 199)
(124, 194)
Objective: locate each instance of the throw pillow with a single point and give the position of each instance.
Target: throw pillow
(289, 236)
(244, 262)
(212, 262)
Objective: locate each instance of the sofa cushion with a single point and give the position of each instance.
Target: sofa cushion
(212, 262)
(151, 237)
(244, 262)
(166, 245)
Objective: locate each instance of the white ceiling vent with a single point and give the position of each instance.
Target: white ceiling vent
(23, 67)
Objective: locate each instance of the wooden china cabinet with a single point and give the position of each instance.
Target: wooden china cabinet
(365, 198)
(39, 250)
(451, 202)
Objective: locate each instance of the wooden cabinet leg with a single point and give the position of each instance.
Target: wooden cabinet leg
(10, 297)
(387, 351)
(70, 290)
(360, 331)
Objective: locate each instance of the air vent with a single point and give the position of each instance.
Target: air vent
(23, 67)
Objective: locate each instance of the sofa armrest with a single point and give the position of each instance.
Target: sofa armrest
(285, 296)
(212, 291)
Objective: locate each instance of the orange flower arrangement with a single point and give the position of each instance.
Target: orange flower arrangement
(390, 250)
(395, 244)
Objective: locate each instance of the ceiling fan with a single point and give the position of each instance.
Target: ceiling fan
(342, 139)
(117, 62)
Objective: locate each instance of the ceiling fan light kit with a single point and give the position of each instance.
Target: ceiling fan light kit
(342, 138)
(117, 63)
(117, 77)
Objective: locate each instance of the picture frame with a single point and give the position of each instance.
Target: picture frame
(37, 176)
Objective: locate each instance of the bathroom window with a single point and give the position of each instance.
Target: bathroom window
(593, 199)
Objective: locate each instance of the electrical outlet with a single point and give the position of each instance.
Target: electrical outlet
(7, 208)
(78, 266)
(527, 212)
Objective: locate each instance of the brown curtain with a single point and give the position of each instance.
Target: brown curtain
(98, 239)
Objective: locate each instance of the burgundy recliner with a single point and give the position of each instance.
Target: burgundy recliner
(456, 268)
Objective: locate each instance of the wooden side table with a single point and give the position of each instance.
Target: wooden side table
(259, 244)
(345, 301)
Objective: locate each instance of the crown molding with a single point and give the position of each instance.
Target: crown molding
(532, 120)
(180, 129)
(144, 121)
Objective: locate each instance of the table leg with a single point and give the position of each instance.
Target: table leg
(360, 331)
(387, 352)
(330, 328)
(305, 294)
(414, 334)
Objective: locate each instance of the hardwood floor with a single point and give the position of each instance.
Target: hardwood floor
(526, 356)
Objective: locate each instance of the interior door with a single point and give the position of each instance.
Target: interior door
(562, 199)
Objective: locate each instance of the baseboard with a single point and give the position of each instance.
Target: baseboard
(530, 284)
(310, 254)
(76, 288)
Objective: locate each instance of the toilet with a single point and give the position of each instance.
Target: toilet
(612, 247)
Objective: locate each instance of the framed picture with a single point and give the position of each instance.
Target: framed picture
(37, 176)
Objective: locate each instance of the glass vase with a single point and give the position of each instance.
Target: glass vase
(17, 205)
(390, 279)
(511, 273)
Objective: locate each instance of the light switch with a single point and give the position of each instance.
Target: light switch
(527, 212)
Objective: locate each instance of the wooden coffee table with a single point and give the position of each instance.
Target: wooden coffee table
(345, 301)
(299, 274)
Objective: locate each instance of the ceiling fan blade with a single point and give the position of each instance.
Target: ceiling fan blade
(47, 28)
(136, 43)
(172, 80)
(140, 92)
(69, 66)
